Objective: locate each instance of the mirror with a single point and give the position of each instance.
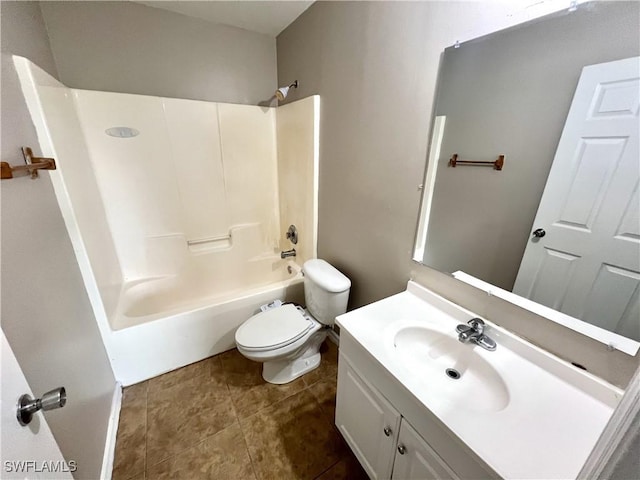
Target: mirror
(509, 93)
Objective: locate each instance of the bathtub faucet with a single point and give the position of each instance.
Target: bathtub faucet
(288, 253)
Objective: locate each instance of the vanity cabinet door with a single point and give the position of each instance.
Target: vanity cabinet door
(367, 421)
(415, 459)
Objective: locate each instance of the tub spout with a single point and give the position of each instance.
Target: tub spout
(288, 253)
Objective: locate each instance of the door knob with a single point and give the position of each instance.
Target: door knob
(387, 431)
(402, 449)
(539, 233)
(27, 406)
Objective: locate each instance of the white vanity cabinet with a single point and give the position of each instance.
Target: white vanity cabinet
(415, 459)
(386, 445)
(367, 421)
(514, 412)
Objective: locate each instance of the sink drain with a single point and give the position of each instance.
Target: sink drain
(452, 373)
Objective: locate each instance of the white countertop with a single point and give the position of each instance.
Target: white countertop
(554, 413)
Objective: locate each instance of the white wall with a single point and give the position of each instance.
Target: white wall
(46, 315)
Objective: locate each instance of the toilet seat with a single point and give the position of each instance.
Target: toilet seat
(273, 329)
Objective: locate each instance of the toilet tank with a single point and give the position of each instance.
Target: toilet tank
(326, 291)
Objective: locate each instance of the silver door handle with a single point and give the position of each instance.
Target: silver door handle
(539, 233)
(402, 449)
(387, 431)
(51, 400)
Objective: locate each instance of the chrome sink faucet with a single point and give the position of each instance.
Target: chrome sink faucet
(473, 332)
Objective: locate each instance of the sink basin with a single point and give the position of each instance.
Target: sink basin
(449, 368)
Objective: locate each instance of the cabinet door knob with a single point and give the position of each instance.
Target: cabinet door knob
(387, 431)
(402, 449)
(539, 233)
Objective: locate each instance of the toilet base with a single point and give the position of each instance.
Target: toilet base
(288, 369)
(285, 371)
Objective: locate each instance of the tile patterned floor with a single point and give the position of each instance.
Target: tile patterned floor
(218, 419)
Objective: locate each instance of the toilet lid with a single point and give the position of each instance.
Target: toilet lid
(274, 328)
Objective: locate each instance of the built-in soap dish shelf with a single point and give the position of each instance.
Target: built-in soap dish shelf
(204, 245)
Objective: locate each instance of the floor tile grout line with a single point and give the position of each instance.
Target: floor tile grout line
(224, 379)
(151, 382)
(206, 372)
(318, 405)
(246, 444)
(133, 475)
(178, 384)
(331, 424)
(229, 397)
(274, 403)
(146, 427)
(306, 387)
(194, 445)
(328, 468)
(209, 370)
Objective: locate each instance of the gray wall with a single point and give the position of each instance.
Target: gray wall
(509, 93)
(131, 48)
(46, 315)
(375, 65)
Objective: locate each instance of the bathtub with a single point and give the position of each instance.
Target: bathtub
(167, 322)
(177, 250)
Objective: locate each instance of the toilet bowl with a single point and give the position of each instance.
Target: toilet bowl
(287, 339)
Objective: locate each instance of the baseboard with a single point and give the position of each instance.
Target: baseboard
(112, 430)
(334, 337)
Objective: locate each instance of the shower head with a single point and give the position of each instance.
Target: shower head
(282, 92)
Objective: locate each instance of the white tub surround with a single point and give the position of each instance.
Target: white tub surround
(298, 181)
(516, 412)
(175, 212)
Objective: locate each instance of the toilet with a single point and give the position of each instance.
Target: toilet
(287, 339)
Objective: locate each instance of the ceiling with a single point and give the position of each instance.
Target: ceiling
(268, 17)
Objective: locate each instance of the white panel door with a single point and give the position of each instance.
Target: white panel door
(587, 265)
(31, 451)
(367, 422)
(415, 459)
